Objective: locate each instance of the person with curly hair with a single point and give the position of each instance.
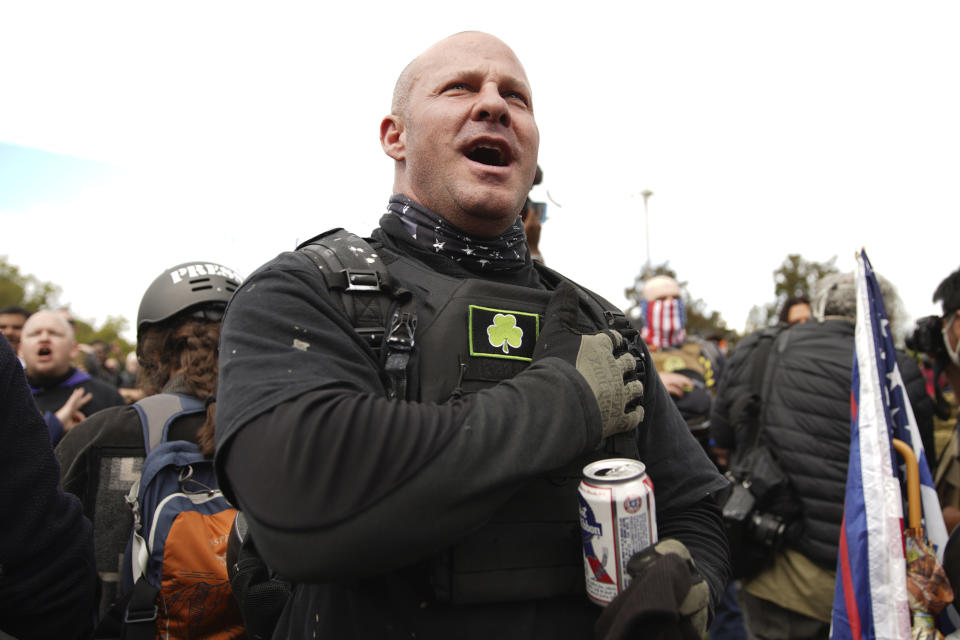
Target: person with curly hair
(178, 330)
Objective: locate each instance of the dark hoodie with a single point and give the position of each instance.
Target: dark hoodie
(48, 584)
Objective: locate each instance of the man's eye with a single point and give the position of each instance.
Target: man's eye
(457, 86)
(519, 97)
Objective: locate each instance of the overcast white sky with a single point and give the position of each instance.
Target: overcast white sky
(232, 130)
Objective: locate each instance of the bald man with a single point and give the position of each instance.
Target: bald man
(404, 419)
(63, 393)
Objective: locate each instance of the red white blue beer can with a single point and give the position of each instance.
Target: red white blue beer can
(618, 518)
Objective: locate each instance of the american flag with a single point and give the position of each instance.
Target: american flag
(870, 597)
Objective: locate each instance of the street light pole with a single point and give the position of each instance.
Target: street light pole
(646, 193)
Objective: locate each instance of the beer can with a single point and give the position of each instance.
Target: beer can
(617, 519)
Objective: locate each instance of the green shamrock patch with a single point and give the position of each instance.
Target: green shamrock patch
(500, 333)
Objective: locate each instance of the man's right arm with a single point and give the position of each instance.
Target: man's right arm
(338, 482)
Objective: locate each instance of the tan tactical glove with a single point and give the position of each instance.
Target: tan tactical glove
(601, 358)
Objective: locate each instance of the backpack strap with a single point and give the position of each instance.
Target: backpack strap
(761, 362)
(365, 292)
(157, 412)
(139, 620)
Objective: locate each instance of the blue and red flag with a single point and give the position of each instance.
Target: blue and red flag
(870, 597)
(663, 322)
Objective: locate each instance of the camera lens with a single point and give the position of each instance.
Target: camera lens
(767, 529)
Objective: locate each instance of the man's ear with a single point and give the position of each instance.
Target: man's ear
(393, 137)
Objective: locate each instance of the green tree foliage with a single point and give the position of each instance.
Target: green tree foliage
(700, 320)
(797, 277)
(25, 290)
(33, 294)
(110, 332)
(794, 277)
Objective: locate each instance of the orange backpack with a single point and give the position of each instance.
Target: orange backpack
(175, 572)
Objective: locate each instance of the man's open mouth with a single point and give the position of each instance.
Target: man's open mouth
(44, 351)
(489, 154)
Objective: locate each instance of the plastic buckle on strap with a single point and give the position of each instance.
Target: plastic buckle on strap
(403, 327)
(143, 615)
(362, 280)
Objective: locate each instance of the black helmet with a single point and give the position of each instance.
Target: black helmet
(203, 288)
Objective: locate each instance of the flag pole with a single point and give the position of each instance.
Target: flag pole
(914, 501)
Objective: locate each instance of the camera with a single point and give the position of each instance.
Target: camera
(753, 536)
(928, 338)
(740, 514)
(767, 529)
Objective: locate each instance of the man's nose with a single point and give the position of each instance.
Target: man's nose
(490, 105)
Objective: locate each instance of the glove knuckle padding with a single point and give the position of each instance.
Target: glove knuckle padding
(627, 363)
(605, 374)
(615, 338)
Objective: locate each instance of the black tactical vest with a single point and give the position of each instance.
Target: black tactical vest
(469, 334)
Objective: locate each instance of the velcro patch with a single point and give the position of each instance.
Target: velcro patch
(497, 333)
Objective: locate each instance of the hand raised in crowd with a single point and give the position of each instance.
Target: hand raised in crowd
(69, 414)
(677, 384)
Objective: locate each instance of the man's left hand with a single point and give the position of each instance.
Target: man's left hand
(667, 599)
(69, 414)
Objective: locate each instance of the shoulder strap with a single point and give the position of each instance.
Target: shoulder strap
(760, 363)
(159, 411)
(366, 292)
(140, 617)
(353, 270)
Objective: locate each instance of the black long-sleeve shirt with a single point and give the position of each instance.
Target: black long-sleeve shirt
(48, 582)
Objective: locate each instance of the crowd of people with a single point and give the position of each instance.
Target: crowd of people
(398, 424)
